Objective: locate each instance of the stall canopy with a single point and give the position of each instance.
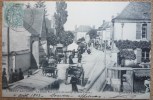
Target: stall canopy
(72, 46)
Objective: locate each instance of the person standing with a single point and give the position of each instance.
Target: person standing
(70, 59)
(20, 74)
(11, 76)
(45, 62)
(4, 79)
(16, 76)
(79, 57)
(73, 53)
(79, 64)
(73, 81)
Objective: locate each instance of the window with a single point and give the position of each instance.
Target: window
(144, 30)
(145, 55)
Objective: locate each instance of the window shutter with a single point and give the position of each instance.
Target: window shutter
(149, 31)
(138, 30)
(138, 55)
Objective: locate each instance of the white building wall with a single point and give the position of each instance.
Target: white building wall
(19, 40)
(35, 51)
(107, 34)
(129, 31)
(4, 39)
(87, 38)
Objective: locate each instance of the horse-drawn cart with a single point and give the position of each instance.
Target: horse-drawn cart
(51, 69)
(74, 70)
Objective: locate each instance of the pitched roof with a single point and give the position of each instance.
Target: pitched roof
(136, 11)
(105, 25)
(46, 27)
(33, 20)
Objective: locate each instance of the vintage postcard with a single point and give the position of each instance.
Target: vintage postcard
(79, 49)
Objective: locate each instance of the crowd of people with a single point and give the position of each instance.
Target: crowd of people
(16, 76)
(13, 77)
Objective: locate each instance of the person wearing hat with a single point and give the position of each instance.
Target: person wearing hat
(79, 57)
(70, 59)
(51, 60)
(20, 74)
(45, 62)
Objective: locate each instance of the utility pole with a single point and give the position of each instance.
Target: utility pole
(105, 58)
(8, 51)
(122, 30)
(112, 36)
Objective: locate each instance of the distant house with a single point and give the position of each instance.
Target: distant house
(134, 24)
(104, 32)
(81, 31)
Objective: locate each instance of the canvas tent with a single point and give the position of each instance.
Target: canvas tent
(72, 46)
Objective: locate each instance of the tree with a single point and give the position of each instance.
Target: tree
(60, 17)
(52, 39)
(28, 5)
(92, 33)
(66, 38)
(41, 4)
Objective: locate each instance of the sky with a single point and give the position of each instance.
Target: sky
(90, 13)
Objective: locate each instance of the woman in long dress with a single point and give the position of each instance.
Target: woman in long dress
(4, 79)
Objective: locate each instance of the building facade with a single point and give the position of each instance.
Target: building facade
(81, 31)
(134, 24)
(131, 36)
(23, 49)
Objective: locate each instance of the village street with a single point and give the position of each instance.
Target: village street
(93, 65)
